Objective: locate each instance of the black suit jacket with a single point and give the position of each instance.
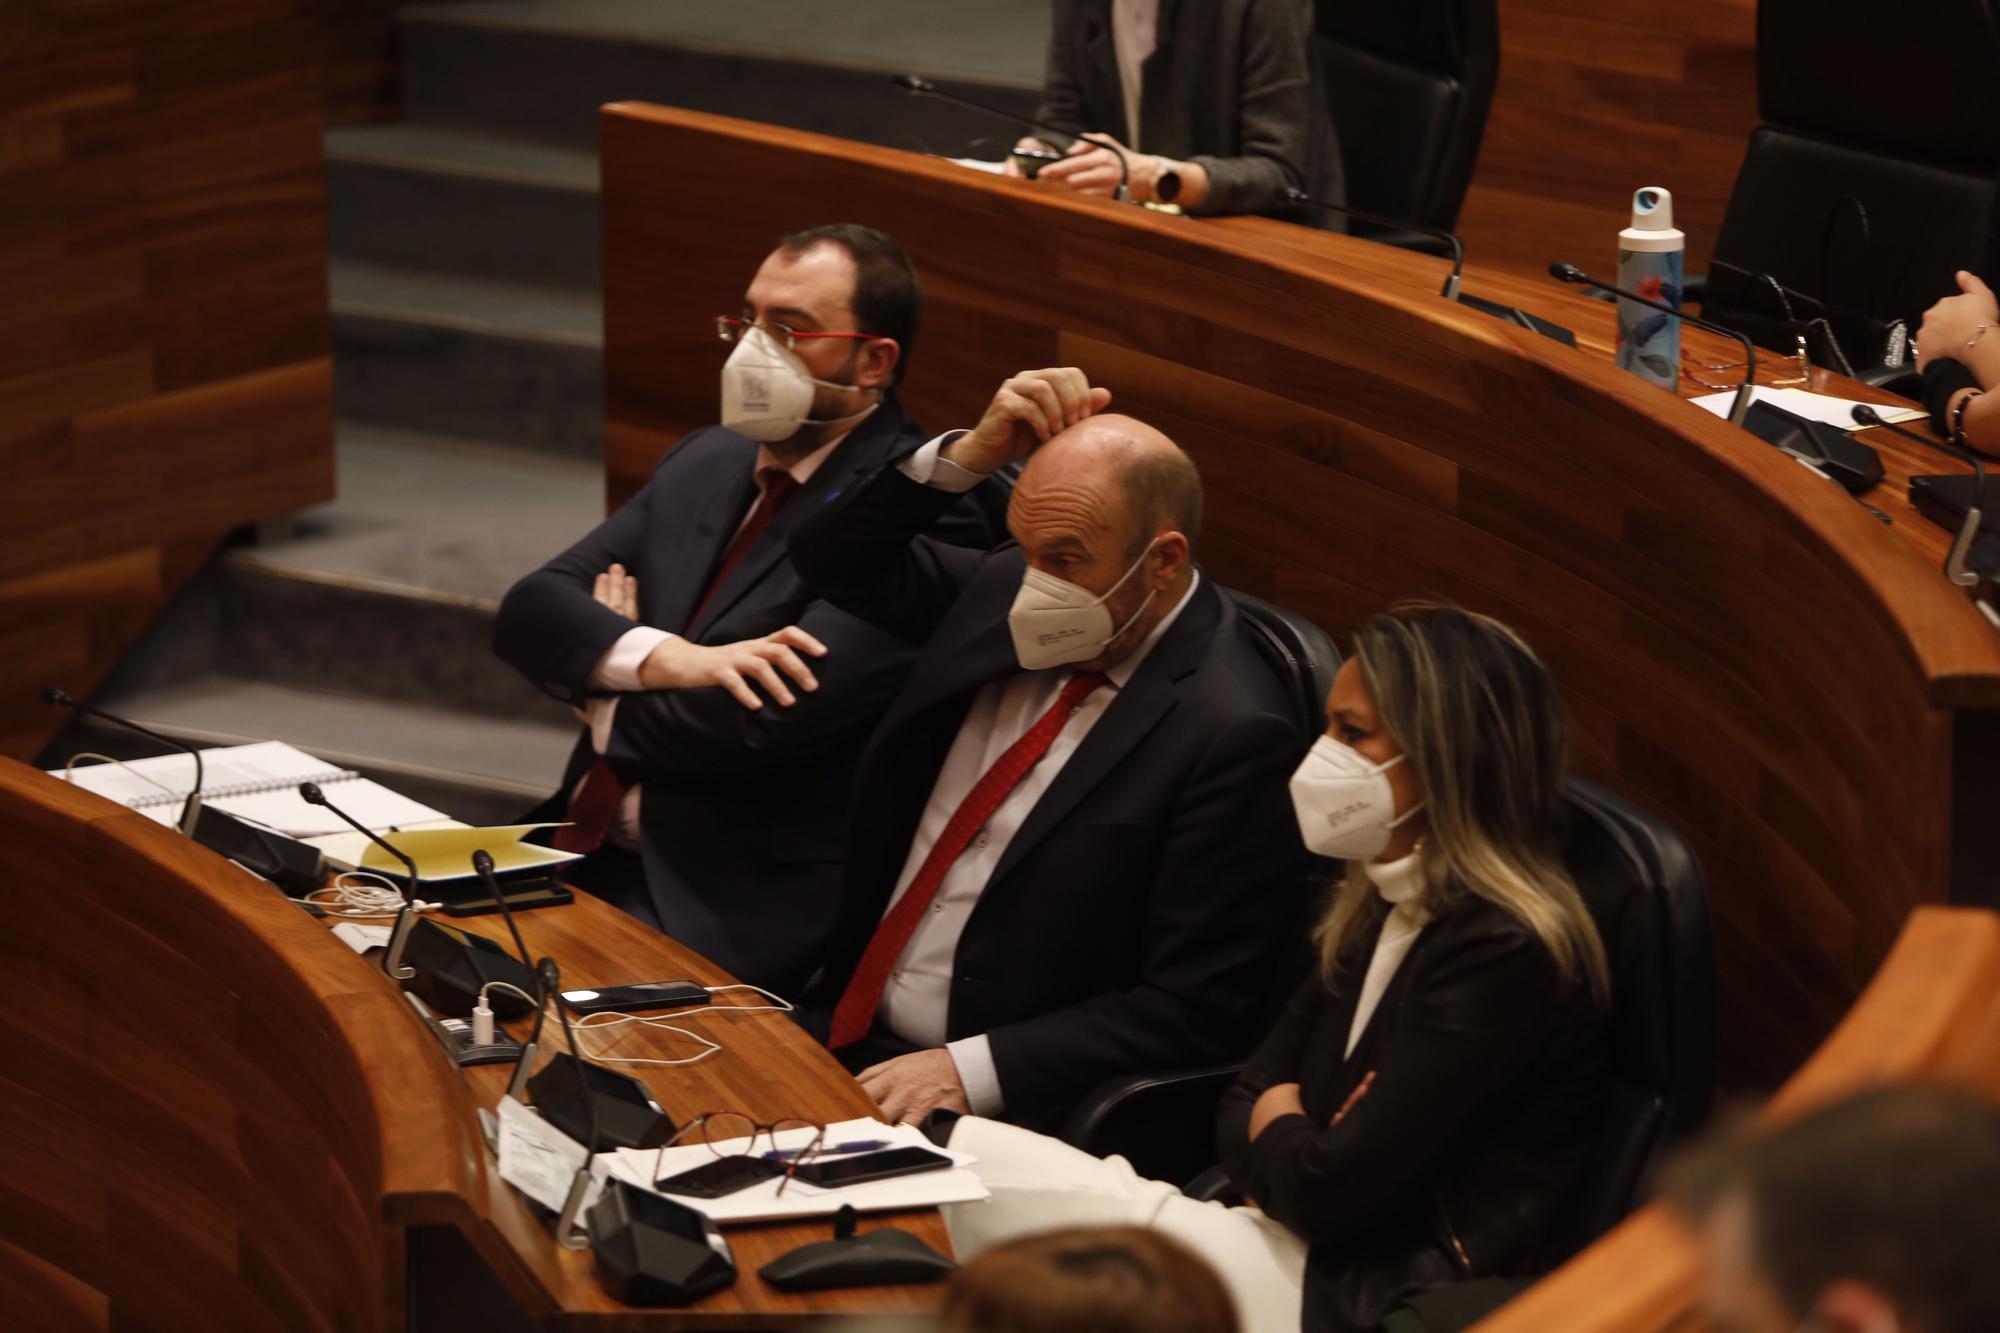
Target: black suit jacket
(1232, 84)
(1141, 911)
(1490, 1078)
(743, 813)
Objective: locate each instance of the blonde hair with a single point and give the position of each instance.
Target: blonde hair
(1483, 728)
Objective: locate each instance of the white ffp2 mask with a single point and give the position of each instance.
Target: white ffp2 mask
(1344, 803)
(1055, 623)
(767, 392)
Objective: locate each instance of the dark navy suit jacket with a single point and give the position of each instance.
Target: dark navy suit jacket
(744, 814)
(1143, 909)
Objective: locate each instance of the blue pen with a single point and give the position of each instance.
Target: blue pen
(856, 1145)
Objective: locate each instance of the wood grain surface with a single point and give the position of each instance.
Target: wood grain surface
(164, 372)
(1748, 651)
(1597, 98)
(1932, 1013)
(215, 1115)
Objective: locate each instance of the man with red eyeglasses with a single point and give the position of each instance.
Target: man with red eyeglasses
(725, 706)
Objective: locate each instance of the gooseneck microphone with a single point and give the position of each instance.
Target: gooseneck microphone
(567, 1231)
(191, 807)
(1450, 292)
(482, 866)
(1563, 271)
(918, 87)
(1955, 567)
(406, 916)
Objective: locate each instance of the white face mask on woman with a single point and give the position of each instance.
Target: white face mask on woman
(1345, 806)
(767, 392)
(1054, 622)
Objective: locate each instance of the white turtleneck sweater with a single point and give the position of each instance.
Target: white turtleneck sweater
(1398, 883)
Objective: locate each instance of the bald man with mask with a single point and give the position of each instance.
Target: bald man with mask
(1072, 853)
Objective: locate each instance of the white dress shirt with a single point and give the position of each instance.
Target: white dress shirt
(917, 1000)
(618, 669)
(1401, 887)
(1134, 34)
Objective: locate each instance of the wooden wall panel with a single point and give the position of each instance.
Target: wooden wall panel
(1599, 97)
(164, 371)
(1752, 655)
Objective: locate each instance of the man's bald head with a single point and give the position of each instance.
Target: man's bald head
(1112, 498)
(1114, 472)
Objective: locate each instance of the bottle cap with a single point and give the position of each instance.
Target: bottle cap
(1652, 209)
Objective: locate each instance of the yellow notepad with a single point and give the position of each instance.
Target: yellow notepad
(444, 853)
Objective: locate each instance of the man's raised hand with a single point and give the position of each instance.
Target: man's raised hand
(1030, 408)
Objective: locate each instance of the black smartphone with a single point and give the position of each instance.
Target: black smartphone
(638, 996)
(1031, 160)
(834, 1172)
(724, 1175)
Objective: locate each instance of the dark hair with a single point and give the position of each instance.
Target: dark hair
(888, 299)
(1089, 1280)
(1895, 1187)
(1163, 490)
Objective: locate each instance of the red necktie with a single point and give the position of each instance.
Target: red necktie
(778, 485)
(855, 1013)
(595, 808)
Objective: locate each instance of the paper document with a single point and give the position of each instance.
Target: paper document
(443, 853)
(762, 1202)
(540, 1160)
(256, 782)
(980, 164)
(1812, 406)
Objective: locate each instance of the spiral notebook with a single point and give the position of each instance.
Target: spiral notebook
(257, 782)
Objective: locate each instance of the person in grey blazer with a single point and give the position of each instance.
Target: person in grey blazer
(1217, 105)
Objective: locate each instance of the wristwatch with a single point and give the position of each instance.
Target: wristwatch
(1167, 185)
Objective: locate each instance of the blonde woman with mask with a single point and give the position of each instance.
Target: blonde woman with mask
(1420, 1114)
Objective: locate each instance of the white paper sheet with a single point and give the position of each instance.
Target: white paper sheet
(540, 1160)
(258, 782)
(762, 1202)
(1802, 403)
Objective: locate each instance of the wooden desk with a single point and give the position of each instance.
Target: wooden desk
(1747, 650)
(1932, 1012)
(214, 1115)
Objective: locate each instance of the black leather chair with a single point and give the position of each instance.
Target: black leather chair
(1409, 86)
(1647, 895)
(1895, 118)
(1164, 1123)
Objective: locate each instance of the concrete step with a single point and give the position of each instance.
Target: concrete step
(361, 629)
(478, 358)
(540, 69)
(445, 201)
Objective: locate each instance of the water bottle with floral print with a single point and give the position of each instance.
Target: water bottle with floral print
(1650, 254)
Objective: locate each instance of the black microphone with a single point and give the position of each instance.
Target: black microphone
(406, 917)
(191, 807)
(917, 87)
(1450, 292)
(1955, 567)
(482, 865)
(1564, 271)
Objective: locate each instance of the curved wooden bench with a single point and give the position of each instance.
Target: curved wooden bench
(217, 1116)
(1932, 1012)
(1749, 652)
